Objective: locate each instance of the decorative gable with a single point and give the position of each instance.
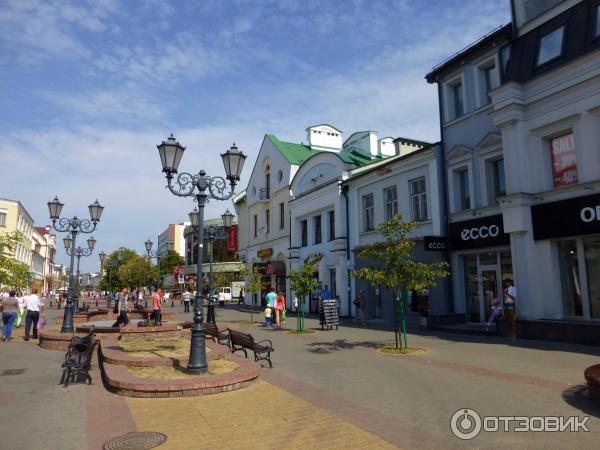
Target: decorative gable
(459, 152)
(490, 140)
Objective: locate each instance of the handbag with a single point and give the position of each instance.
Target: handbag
(284, 315)
(42, 323)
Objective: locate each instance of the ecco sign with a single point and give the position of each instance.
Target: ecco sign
(436, 243)
(589, 214)
(577, 216)
(478, 233)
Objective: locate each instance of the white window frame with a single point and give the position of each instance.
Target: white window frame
(454, 165)
(393, 203)
(3, 217)
(481, 95)
(420, 196)
(487, 158)
(449, 108)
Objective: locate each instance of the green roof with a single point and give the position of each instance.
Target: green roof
(294, 153)
(299, 153)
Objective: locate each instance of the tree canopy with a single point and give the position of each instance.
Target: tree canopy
(13, 273)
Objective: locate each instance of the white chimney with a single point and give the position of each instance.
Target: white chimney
(324, 137)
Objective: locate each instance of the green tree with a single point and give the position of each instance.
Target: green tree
(137, 271)
(116, 259)
(14, 274)
(397, 270)
(252, 285)
(303, 283)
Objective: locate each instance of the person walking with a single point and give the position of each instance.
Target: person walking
(10, 305)
(279, 308)
(360, 303)
(510, 300)
(20, 309)
(187, 298)
(122, 318)
(241, 297)
(271, 296)
(268, 317)
(34, 307)
(496, 312)
(156, 307)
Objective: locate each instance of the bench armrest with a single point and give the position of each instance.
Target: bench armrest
(266, 340)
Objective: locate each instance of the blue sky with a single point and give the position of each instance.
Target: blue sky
(88, 88)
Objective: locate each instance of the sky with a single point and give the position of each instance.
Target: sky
(89, 88)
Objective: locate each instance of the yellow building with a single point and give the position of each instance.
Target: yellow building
(14, 217)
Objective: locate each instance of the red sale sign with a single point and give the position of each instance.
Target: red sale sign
(232, 238)
(564, 160)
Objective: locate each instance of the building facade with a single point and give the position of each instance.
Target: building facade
(14, 217)
(474, 173)
(174, 233)
(44, 251)
(548, 111)
(407, 184)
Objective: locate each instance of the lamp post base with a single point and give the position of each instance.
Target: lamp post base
(67, 325)
(210, 312)
(197, 363)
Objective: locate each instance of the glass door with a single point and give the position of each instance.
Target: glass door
(489, 289)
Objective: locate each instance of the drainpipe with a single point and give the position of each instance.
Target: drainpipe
(444, 194)
(344, 189)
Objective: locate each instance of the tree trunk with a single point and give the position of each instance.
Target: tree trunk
(403, 319)
(396, 330)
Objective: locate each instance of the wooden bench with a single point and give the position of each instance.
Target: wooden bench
(78, 360)
(213, 332)
(242, 341)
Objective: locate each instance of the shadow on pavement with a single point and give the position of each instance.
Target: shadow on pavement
(579, 397)
(343, 344)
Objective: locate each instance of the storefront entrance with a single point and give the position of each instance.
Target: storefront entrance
(484, 275)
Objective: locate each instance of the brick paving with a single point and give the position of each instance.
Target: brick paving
(323, 381)
(260, 416)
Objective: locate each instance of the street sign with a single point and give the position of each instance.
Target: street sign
(181, 278)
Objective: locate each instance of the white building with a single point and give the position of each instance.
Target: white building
(548, 110)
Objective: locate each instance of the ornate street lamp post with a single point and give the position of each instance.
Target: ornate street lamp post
(158, 254)
(79, 252)
(201, 187)
(74, 226)
(212, 232)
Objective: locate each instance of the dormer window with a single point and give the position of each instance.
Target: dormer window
(550, 46)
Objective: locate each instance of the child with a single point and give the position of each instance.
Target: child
(496, 312)
(268, 316)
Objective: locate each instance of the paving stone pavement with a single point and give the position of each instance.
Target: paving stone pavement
(322, 381)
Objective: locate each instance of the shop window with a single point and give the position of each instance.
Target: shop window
(592, 263)
(569, 278)
(471, 288)
(550, 46)
(317, 228)
(418, 199)
(304, 232)
(368, 213)
(331, 225)
(390, 196)
(564, 160)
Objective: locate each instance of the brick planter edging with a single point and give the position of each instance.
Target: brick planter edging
(111, 355)
(119, 380)
(592, 376)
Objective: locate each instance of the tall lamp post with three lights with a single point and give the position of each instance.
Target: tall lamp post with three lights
(79, 252)
(202, 188)
(110, 265)
(74, 226)
(212, 232)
